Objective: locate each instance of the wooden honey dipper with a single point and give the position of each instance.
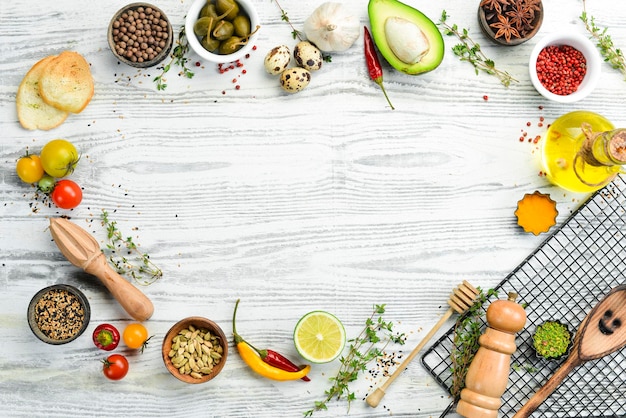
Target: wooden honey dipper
(462, 298)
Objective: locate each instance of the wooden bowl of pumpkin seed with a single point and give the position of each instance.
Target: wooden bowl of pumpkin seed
(195, 350)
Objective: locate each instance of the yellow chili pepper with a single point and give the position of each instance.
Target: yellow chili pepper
(253, 358)
(254, 361)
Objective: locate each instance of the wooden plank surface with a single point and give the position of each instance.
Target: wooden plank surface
(325, 199)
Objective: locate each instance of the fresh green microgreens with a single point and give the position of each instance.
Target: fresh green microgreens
(367, 346)
(470, 51)
(609, 52)
(467, 330)
(139, 267)
(178, 57)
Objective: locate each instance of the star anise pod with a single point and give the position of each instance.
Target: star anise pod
(505, 28)
(494, 4)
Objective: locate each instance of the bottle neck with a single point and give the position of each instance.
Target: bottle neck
(604, 148)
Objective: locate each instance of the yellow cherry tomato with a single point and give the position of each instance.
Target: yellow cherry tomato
(135, 336)
(29, 168)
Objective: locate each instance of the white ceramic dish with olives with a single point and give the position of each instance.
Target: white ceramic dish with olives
(222, 31)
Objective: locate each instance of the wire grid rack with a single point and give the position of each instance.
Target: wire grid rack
(563, 279)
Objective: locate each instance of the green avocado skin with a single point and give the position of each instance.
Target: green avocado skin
(380, 10)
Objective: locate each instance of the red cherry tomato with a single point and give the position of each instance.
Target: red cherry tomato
(106, 337)
(115, 366)
(66, 194)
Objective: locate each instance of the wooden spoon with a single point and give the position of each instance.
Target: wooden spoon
(462, 298)
(82, 250)
(602, 332)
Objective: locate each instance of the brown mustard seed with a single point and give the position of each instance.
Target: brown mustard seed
(59, 314)
(140, 34)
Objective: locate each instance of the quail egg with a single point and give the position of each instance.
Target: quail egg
(277, 60)
(295, 79)
(308, 56)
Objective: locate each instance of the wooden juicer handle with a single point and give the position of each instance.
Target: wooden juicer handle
(488, 374)
(82, 250)
(134, 302)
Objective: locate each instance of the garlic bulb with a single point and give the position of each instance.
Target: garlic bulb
(332, 28)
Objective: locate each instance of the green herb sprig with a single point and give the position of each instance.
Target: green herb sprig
(296, 34)
(609, 52)
(470, 51)
(367, 346)
(467, 330)
(178, 57)
(283, 15)
(139, 267)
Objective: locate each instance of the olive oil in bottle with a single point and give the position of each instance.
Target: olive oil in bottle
(583, 152)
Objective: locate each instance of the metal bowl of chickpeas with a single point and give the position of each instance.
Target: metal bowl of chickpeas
(222, 31)
(140, 35)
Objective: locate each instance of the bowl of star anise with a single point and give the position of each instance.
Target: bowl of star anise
(510, 22)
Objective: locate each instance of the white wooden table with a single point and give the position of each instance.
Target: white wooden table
(326, 199)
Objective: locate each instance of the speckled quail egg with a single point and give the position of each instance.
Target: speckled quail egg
(308, 56)
(295, 79)
(277, 60)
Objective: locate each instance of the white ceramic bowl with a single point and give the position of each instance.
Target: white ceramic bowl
(196, 46)
(586, 47)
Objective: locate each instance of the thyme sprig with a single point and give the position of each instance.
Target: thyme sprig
(283, 15)
(467, 330)
(609, 52)
(296, 34)
(367, 346)
(178, 57)
(139, 267)
(470, 51)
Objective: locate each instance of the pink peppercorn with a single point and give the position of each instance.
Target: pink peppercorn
(561, 69)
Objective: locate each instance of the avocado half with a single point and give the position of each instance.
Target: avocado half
(380, 11)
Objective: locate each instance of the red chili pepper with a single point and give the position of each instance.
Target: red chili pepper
(278, 360)
(270, 357)
(373, 63)
(106, 337)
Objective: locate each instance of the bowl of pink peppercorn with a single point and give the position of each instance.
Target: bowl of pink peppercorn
(564, 68)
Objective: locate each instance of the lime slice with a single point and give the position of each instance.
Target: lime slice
(319, 337)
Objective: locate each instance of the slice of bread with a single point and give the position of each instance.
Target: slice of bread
(67, 83)
(32, 112)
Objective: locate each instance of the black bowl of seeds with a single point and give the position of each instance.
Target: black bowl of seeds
(58, 314)
(140, 35)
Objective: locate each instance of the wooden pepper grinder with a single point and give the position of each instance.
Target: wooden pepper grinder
(488, 374)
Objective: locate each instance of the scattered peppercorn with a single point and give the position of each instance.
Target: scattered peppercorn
(140, 34)
(561, 69)
(485, 97)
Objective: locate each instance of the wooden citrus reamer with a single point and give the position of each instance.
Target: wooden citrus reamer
(602, 332)
(82, 250)
(462, 298)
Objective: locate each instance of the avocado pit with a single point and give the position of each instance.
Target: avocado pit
(406, 40)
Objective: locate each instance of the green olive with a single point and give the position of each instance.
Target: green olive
(232, 44)
(242, 26)
(230, 8)
(210, 44)
(208, 11)
(223, 30)
(203, 26)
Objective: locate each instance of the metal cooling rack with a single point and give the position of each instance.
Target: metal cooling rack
(563, 278)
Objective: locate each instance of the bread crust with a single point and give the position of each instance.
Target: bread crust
(67, 83)
(32, 111)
